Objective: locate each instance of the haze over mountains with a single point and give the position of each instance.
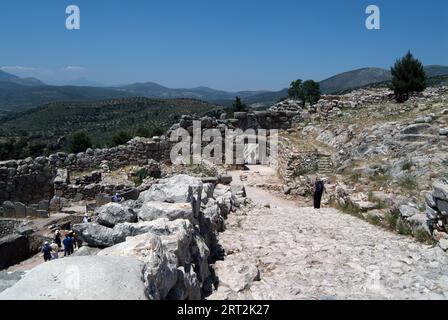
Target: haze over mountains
(20, 94)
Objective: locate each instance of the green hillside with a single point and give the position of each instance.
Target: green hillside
(42, 128)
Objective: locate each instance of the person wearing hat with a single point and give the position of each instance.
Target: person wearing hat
(318, 191)
(46, 249)
(54, 251)
(57, 238)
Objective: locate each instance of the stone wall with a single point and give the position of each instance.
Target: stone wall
(19, 210)
(136, 152)
(27, 181)
(269, 119)
(31, 180)
(293, 162)
(8, 226)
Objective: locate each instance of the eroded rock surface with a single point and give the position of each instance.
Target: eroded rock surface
(81, 278)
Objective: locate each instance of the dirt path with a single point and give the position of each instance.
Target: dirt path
(262, 175)
(291, 252)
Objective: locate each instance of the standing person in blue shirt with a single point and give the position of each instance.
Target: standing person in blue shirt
(46, 249)
(68, 244)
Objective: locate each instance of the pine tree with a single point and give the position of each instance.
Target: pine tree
(238, 105)
(408, 75)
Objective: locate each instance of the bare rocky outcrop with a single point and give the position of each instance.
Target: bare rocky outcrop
(82, 278)
(175, 239)
(437, 212)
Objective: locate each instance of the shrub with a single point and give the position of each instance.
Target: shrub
(36, 149)
(382, 180)
(407, 166)
(140, 175)
(409, 183)
(80, 142)
(403, 228)
(354, 177)
(350, 208)
(423, 236)
(120, 138)
(392, 219)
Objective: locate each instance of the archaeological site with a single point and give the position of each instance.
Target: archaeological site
(334, 189)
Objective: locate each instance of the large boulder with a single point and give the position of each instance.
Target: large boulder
(236, 273)
(440, 190)
(160, 273)
(442, 205)
(176, 235)
(171, 211)
(81, 278)
(85, 251)
(113, 213)
(173, 190)
(187, 287)
(140, 247)
(408, 210)
(95, 235)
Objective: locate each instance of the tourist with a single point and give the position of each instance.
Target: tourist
(57, 238)
(318, 191)
(54, 251)
(46, 249)
(77, 241)
(68, 244)
(117, 198)
(71, 234)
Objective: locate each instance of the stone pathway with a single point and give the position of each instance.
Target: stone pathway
(291, 252)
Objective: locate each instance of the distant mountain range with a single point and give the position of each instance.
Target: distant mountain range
(367, 76)
(19, 94)
(10, 78)
(154, 90)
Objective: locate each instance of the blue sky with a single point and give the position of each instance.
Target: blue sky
(229, 45)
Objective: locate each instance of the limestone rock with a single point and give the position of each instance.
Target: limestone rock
(407, 211)
(113, 213)
(171, 211)
(173, 190)
(187, 287)
(440, 190)
(236, 273)
(140, 247)
(160, 271)
(442, 205)
(86, 251)
(98, 236)
(81, 278)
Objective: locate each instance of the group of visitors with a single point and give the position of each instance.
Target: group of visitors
(70, 242)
